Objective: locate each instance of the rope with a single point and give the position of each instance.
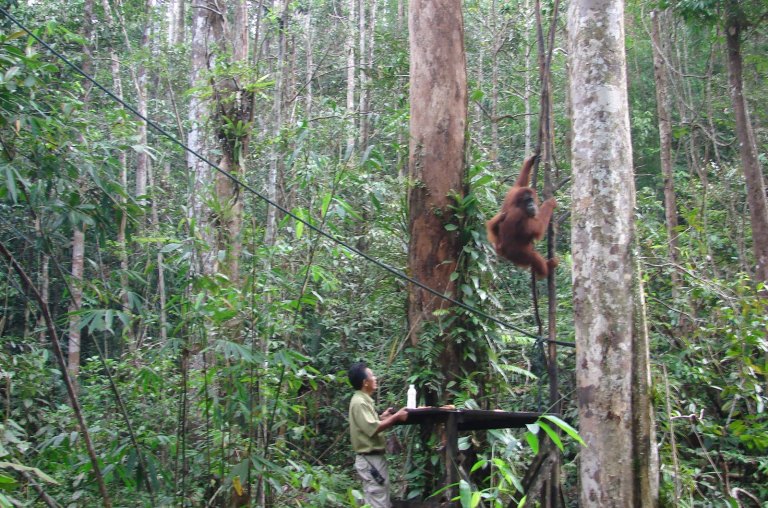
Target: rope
(394, 271)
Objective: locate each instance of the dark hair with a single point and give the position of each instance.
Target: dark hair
(357, 374)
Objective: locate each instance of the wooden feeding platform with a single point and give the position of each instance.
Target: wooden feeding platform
(470, 419)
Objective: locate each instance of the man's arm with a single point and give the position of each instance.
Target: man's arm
(390, 420)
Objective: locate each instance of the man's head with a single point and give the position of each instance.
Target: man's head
(362, 378)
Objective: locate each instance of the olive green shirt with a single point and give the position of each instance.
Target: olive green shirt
(363, 422)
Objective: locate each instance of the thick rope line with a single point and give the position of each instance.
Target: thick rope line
(394, 271)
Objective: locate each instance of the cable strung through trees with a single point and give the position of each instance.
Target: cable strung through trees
(394, 271)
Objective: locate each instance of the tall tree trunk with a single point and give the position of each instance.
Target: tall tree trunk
(44, 285)
(665, 140)
(200, 212)
(122, 244)
(309, 46)
(529, 19)
(233, 108)
(438, 121)
(176, 22)
(160, 259)
(498, 42)
(617, 467)
(78, 235)
(438, 93)
(281, 7)
(753, 174)
(367, 28)
(350, 51)
(76, 301)
(140, 82)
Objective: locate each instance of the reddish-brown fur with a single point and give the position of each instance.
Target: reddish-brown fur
(512, 231)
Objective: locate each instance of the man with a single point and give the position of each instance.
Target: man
(366, 430)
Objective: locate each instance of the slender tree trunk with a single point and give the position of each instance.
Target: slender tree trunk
(160, 258)
(76, 301)
(617, 466)
(350, 51)
(122, 245)
(78, 235)
(277, 117)
(753, 174)
(141, 80)
(528, 87)
(646, 455)
(478, 115)
(367, 28)
(665, 140)
(308, 42)
(362, 73)
(498, 38)
(44, 282)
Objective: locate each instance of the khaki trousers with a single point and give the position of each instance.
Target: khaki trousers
(377, 496)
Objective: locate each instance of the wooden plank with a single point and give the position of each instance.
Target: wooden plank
(471, 419)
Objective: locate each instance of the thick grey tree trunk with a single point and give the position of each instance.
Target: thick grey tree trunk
(197, 115)
(176, 22)
(618, 466)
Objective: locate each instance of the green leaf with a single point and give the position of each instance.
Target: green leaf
(10, 182)
(533, 441)
(465, 494)
(552, 435)
(482, 180)
(5, 501)
(565, 427)
(324, 206)
(33, 470)
(478, 465)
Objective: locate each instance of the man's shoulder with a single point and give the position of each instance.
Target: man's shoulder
(359, 397)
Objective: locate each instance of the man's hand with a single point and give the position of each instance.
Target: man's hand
(389, 417)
